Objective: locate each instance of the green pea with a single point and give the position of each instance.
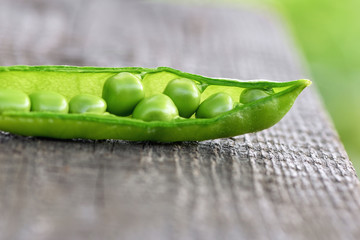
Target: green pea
(253, 94)
(122, 92)
(185, 94)
(84, 103)
(215, 105)
(158, 107)
(44, 101)
(13, 100)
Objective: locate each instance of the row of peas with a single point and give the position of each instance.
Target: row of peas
(47, 101)
(123, 95)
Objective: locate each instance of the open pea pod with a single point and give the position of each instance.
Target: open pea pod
(70, 81)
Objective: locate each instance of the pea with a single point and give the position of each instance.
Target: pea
(253, 94)
(13, 100)
(158, 107)
(215, 105)
(122, 92)
(84, 103)
(185, 94)
(44, 101)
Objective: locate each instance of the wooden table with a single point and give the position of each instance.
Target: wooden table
(292, 181)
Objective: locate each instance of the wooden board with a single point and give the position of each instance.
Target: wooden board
(292, 181)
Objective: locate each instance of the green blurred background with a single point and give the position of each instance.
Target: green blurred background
(328, 34)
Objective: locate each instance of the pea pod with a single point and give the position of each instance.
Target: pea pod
(255, 115)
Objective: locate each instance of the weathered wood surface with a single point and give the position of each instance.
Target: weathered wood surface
(293, 181)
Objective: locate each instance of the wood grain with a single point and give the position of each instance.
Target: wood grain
(292, 181)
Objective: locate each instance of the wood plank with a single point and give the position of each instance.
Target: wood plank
(292, 181)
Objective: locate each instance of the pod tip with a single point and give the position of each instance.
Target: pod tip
(307, 82)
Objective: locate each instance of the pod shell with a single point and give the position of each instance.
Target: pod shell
(251, 117)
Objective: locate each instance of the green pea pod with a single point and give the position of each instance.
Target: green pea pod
(70, 81)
